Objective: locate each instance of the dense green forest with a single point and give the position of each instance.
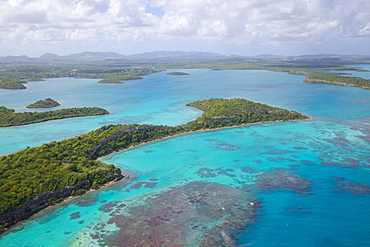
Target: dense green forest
(26, 174)
(45, 103)
(12, 85)
(229, 112)
(338, 80)
(9, 118)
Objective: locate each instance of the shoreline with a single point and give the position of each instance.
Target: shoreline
(196, 131)
(70, 198)
(65, 200)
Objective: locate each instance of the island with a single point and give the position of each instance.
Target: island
(8, 117)
(46, 103)
(37, 177)
(177, 73)
(119, 79)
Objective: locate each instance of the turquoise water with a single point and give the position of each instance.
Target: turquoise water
(331, 151)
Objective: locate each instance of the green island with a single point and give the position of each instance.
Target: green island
(177, 73)
(8, 117)
(119, 79)
(45, 103)
(36, 177)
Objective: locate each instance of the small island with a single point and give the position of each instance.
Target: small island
(177, 73)
(111, 81)
(119, 79)
(46, 103)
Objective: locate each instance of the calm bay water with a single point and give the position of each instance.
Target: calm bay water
(331, 151)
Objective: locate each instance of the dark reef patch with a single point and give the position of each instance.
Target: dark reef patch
(249, 170)
(338, 141)
(223, 145)
(181, 217)
(206, 173)
(145, 184)
(86, 200)
(74, 215)
(210, 173)
(255, 134)
(280, 159)
(299, 209)
(352, 163)
(278, 178)
(307, 162)
(108, 207)
(355, 188)
(300, 148)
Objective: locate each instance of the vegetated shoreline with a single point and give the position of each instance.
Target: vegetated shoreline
(64, 200)
(218, 114)
(126, 176)
(11, 119)
(131, 175)
(197, 131)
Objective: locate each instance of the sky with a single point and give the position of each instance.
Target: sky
(239, 27)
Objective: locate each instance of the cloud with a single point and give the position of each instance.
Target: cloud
(228, 21)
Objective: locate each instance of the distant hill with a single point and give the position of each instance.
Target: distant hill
(83, 57)
(16, 59)
(175, 55)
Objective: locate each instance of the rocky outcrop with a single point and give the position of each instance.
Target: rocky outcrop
(46, 199)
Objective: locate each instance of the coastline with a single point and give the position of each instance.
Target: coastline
(69, 198)
(202, 130)
(64, 200)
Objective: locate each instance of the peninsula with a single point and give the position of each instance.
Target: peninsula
(8, 117)
(40, 176)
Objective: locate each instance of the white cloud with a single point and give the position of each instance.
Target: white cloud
(227, 21)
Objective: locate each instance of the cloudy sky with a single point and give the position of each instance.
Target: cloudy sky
(242, 27)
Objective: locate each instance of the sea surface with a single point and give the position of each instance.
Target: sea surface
(303, 183)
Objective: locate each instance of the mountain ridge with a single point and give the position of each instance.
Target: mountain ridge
(89, 56)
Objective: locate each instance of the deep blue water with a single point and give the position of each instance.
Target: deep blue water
(330, 149)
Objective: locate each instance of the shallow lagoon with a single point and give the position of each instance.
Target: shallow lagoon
(331, 152)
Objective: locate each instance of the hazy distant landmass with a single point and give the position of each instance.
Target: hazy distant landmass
(156, 55)
(112, 67)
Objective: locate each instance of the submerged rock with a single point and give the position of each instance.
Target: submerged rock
(279, 178)
(355, 188)
(196, 214)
